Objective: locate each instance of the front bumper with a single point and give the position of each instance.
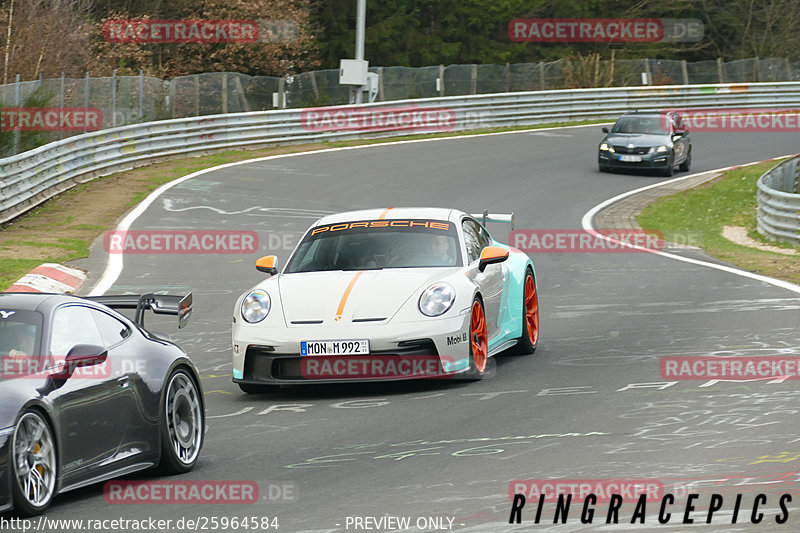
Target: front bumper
(271, 356)
(655, 160)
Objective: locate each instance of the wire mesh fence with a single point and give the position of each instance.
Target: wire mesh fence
(122, 100)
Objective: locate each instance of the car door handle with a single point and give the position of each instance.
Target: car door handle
(123, 380)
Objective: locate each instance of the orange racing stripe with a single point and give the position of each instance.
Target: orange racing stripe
(346, 294)
(385, 212)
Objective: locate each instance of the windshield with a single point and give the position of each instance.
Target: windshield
(20, 335)
(377, 244)
(639, 125)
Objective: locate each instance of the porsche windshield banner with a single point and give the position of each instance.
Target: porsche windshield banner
(425, 225)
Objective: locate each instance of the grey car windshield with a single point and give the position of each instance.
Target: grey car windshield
(640, 125)
(370, 245)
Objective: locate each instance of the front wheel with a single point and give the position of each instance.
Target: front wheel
(33, 464)
(686, 163)
(530, 317)
(670, 168)
(478, 341)
(182, 426)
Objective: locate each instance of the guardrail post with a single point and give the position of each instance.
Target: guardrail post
(507, 77)
(796, 187)
(17, 98)
(756, 69)
(441, 80)
(86, 92)
(282, 93)
(61, 100)
(542, 84)
(380, 84)
(224, 92)
(720, 70)
(141, 93)
(685, 72)
(314, 86)
(172, 83)
(473, 80)
(196, 95)
(114, 97)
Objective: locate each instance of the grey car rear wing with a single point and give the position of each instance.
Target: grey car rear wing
(160, 304)
(486, 216)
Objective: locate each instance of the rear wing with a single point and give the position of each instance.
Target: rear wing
(160, 304)
(486, 216)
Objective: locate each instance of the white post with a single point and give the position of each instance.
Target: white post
(361, 17)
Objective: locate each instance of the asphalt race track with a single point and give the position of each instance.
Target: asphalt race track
(589, 404)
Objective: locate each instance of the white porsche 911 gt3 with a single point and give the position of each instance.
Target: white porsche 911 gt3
(398, 293)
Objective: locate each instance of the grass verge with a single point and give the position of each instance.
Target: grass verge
(704, 211)
(63, 228)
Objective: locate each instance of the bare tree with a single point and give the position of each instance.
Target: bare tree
(45, 36)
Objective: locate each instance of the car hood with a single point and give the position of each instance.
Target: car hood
(638, 139)
(373, 295)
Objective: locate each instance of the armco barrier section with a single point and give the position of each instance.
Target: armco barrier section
(29, 178)
(779, 202)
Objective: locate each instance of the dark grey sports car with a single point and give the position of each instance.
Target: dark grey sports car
(654, 141)
(87, 394)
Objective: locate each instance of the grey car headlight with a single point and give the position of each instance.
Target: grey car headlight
(256, 306)
(437, 299)
(662, 148)
(606, 147)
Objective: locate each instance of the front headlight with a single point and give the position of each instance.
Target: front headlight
(437, 299)
(662, 149)
(255, 306)
(606, 148)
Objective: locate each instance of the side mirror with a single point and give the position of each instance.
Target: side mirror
(267, 264)
(491, 255)
(83, 355)
(605, 129)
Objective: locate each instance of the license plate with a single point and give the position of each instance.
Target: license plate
(340, 347)
(630, 158)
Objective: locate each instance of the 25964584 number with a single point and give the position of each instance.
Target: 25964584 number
(218, 523)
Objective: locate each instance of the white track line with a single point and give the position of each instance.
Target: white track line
(588, 218)
(114, 262)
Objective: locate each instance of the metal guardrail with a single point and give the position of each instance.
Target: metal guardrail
(779, 202)
(30, 178)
